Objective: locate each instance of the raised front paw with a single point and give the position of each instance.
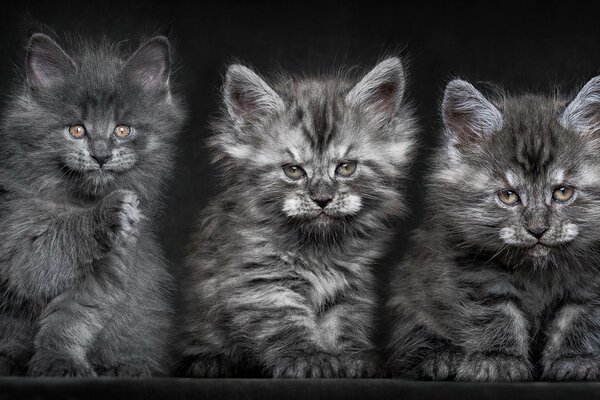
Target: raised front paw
(481, 367)
(439, 366)
(61, 366)
(119, 210)
(579, 368)
(206, 367)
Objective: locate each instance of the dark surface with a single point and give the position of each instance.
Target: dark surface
(249, 389)
(527, 45)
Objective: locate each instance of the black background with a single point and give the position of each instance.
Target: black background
(532, 46)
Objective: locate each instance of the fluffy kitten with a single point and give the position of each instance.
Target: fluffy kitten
(502, 283)
(279, 277)
(86, 144)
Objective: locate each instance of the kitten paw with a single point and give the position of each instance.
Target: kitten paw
(120, 209)
(6, 366)
(309, 366)
(127, 371)
(480, 367)
(572, 369)
(439, 366)
(358, 366)
(60, 367)
(206, 367)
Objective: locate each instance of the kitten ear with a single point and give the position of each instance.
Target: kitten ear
(150, 64)
(467, 114)
(381, 90)
(583, 113)
(47, 63)
(248, 98)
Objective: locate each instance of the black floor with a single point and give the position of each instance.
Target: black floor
(249, 389)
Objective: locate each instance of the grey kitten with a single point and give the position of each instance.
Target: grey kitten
(502, 282)
(86, 144)
(280, 274)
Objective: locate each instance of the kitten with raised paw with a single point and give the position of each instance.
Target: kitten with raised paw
(86, 144)
(280, 273)
(502, 281)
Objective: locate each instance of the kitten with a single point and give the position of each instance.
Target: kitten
(86, 144)
(279, 277)
(502, 282)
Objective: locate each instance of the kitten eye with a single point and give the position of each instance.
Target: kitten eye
(77, 131)
(122, 131)
(346, 169)
(293, 171)
(508, 197)
(563, 193)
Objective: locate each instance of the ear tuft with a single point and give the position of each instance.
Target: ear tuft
(247, 97)
(467, 114)
(583, 113)
(150, 65)
(47, 63)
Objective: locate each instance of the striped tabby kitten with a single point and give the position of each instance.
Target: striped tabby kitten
(279, 278)
(503, 283)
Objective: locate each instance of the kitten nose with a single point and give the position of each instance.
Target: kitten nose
(101, 158)
(322, 202)
(537, 231)
(100, 151)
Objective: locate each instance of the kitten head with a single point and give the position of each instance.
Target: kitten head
(319, 154)
(520, 176)
(91, 121)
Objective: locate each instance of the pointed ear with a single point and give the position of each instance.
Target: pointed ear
(247, 97)
(583, 113)
(47, 63)
(468, 115)
(381, 90)
(150, 65)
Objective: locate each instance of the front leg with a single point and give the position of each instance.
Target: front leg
(271, 319)
(495, 339)
(72, 320)
(572, 349)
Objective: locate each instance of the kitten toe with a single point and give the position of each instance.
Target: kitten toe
(358, 366)
(480, 367)
(309, 366)
(206, 367)
(572, 369)
(439, 366)
(60, 367)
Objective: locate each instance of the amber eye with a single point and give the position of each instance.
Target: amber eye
(77, 131)
(563, 193)
(293, 171)
(346, 169)
(508, 197)
(122, 131)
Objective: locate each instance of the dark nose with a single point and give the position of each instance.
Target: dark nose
(322, 202)
(537, 231)
(100, 151)
(101, 158)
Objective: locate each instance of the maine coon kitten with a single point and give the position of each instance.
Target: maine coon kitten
(86, 144)
(279, 277)
(502, 283)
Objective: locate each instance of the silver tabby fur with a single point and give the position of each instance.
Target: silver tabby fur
(496, 292)
(274, 282)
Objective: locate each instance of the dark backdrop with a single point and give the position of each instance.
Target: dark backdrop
(532, 45)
